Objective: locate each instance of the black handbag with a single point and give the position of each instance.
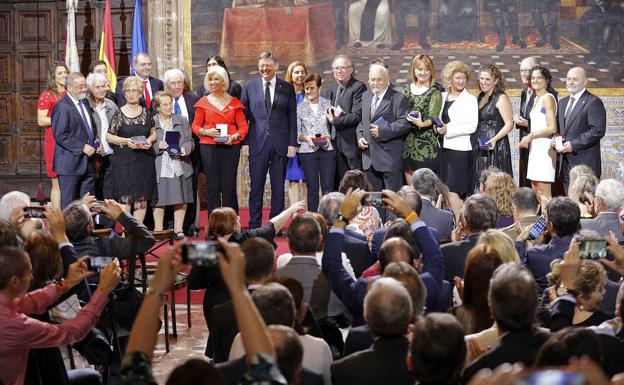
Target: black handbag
(125, 304)
(95, 347)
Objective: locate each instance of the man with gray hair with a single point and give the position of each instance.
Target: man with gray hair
(608, 199)
(388, 312)
(184, 104)
(424, 182)
(142, 65)
(103, 110)
(382, 131)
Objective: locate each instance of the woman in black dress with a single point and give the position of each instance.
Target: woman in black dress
(132, 162)
(491, 141)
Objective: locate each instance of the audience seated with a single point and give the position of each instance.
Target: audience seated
(563, 217)
(388, 311)
(525, 207)
(368, 219)
(501, 187)
(425, 182)
(396, 228)
(582, 192)
(8, 234)
(608, 198)
(478, 214)
(12, 209)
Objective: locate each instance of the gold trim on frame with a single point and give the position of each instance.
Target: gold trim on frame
(187, 41)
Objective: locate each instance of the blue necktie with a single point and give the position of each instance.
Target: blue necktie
(86, 122)
(176, 106)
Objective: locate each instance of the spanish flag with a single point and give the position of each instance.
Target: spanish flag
(107, 47)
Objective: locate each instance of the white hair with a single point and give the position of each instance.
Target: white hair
(220, 72)
(379, 67)
(611, 192)
(12, 200)
(94, 77)
(172, 74)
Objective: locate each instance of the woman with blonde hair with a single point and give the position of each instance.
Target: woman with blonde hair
(501, 187)
(501, 243)
(459, 117)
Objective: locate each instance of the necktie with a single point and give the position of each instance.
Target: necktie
(85, 121)
(267, 96)
(569, 108)
(146, 95)
(338, 95)
(176, 106)
(374, 106)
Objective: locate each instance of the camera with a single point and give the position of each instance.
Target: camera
(551, 377)
(592, 249)
(96, 264)
(34, 211)
(538, 227)
(201, 253)
(98, 206)
(374, 199)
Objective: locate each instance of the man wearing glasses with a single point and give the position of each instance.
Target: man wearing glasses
(345, 115)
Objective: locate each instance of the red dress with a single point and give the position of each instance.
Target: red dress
(47, 102)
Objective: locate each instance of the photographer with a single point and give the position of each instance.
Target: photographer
(79, 227)
(19, 333)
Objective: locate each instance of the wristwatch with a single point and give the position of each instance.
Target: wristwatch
(562, 290)
(342, 218)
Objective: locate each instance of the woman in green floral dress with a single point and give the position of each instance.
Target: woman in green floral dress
(424, 94)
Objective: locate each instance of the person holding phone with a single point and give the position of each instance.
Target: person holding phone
(459, 118)
(495, 123)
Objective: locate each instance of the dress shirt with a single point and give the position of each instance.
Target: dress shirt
(271, 87)
(148, 85)
(81, 109)
(574, 98)
(101, 111)
(378, 100)
(182, 104)
(19, 332)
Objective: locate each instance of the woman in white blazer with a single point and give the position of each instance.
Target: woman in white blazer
(460, 116)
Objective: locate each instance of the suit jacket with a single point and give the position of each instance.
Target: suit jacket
(584, 128)
(603, 223)
(511, 348)
(357, 252)
(455, 254)
(385, 153)
(278, 126)
(222, 331)
(384, 363)
(463, 119)
(71, 134)
(110, 109)
(344, 126)
(181, 125)
(358, 339)
(538, 258)
(190, 99)
(155, 84)
(441, 220)
(233, 372)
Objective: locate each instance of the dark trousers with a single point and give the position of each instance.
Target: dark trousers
(76, 186)
(378, 180)
(266, 161)
(191, 208)
(104, 179)
(318, 165)
(344, 164)
(220, 164)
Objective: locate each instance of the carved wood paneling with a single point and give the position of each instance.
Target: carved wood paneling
(6, 111)
(27, 26)
(5, 68)
(27, 111)
(28, 70)
(7, 155)
(28, 155)
(5, 27)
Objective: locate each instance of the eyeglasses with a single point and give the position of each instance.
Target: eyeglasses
(132, 91)
(176, 83)
(341, 68)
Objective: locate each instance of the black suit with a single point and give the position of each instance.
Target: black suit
(583, 128)
(358, 339)
(384, 363)
(512, 347)
(455, 254)
(222, 331)
(383, 159)
(233, 372)
(441, 220)
(74, 168)
(155, 84)
(358, 253)
(343, 129)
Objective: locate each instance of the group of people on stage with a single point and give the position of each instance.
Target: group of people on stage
(151, 142)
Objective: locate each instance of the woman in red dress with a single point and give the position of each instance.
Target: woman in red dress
(57, 72)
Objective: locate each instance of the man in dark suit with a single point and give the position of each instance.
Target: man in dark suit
(76, 141)
(563, 222)
(345, 115)
(271, 110)
(525, 208)
(513, 303)
(143, 68)
(388, 312)
(609, 197)
(184, 104)
(382, 131)
(479, 214)
(424, 182)
(582, 123)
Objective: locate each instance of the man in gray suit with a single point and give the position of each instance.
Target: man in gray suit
(424, 182)
(608, 198)
(382, 131)
(304, 237)
(582, 123)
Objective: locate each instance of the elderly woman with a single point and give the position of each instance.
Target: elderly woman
(57, 72)
(495, 123)
(318, 158)
(131, 136)
(221, 127)
(421, 146)
(174, 170)
(234, 89)
(459, 116)
(103, 111)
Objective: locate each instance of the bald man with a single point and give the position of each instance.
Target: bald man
(382, 131)
(582, 122)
